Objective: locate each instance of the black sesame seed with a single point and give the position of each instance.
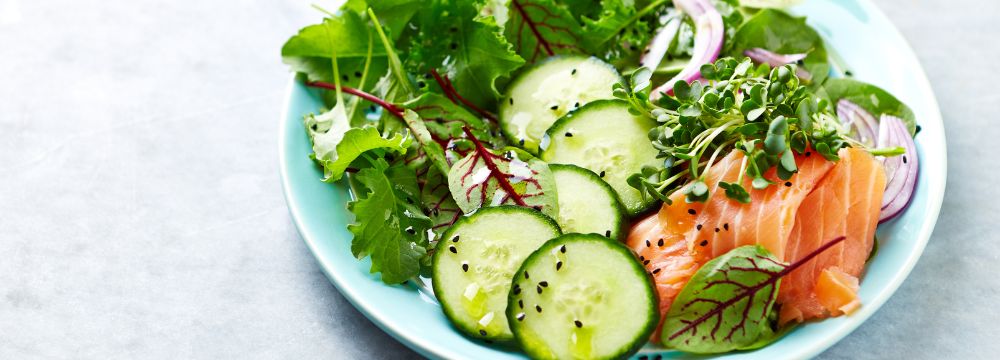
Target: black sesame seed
(648, 244)
(539, 288)
(562, 249)
(692, 212)
(345, 77)
(658, 357)
(521, 142)
(372, 108)
(525, 275)
(569, 134)
(578, 323)
(645, 262)
(657, 271)
(904, 159)
(511, 101)
(465, 267)
(703, 243)
(538, 308)
(453, 249)
(454, 239)
(788, 183)
(808, 153)
(544, 284)
(643, 357)
(602, 173)
(554, 107)
(848, 73)
(641, 258)
(454, 46)
(315, 127)
(520, 317)
(357, 74)
(717, 229)
(537, 207)
(698, 227)
(573, 72)
(453, 29)
(725, 226)
(421, 84)
(576, 104)
(517, 289)
(558, 265)
(520, 303)
(659, 242)
(607, 233)
(482, 332)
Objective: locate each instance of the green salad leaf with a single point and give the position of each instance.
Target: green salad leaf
(871, 98)
(336, 155)
(511, 176)
(468, 48)
(779, 32)
(726, 304)
(542, 28)
(389, 226)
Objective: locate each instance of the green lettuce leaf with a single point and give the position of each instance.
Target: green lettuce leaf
(336, 145)
(781, 33)
(469, 49)
(508, 177)
(389, 225)
(542, 28)
(869, 97)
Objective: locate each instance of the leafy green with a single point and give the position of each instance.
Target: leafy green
(542, 28)
(726, 304)
(469, 49)
(389, 226)
(620, 29)
(781, 33)
(311, 50)
(871, 98)
(336, 154)
(512, 176)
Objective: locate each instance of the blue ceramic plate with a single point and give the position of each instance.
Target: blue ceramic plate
(863, 39)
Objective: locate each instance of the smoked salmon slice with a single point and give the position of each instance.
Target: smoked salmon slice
(847, 202)
(820, 202)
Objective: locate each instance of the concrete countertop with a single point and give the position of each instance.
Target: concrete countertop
(141, 213)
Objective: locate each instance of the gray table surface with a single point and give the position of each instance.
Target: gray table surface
(141, 213)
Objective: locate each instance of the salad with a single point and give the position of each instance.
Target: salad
(579, 178)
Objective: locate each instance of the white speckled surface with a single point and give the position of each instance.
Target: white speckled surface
(141, 213)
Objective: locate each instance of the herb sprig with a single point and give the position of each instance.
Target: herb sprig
(766, 113)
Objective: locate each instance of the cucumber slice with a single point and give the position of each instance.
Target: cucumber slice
(542, 94)
(587, 204)
(606, 139)
(475, 260)
(582, 296)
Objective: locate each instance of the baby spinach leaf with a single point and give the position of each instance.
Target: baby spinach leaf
(779, 32)
(542, 28)
(727, 304)
(871, 98)
(389, 226)
(511, 176)
(335, 149)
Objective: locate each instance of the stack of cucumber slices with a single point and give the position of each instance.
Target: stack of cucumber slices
(559, 288)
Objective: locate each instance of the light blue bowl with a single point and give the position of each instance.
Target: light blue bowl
(857, 32)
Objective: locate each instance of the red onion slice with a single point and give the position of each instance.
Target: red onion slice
(660, 44)
(901, 171)
(764, 56)
(863, 125)
(709, 34)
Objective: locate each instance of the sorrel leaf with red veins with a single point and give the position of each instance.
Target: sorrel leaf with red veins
(727, 304)
(511, 176)
(542, 28)
(469, 49)
(389, 226)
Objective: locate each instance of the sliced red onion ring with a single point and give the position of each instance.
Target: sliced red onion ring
(901, 171)
(760, 55)
(709, 33)
(863, 126)
(660, 44)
